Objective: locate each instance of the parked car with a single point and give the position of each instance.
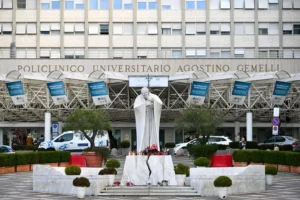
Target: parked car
(222, 140)
(296, 145)
(6, 149)
(280, 140)
(71, 141)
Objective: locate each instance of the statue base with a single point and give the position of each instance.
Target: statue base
(136, 170)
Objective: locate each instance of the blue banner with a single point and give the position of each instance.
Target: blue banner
(56, 88)
(97, 88)
(16, 92)
(281, 88)
(199, 88)
(239, 92)
(15, 88)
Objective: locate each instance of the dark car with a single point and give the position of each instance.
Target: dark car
(296, 146)
(6, 149)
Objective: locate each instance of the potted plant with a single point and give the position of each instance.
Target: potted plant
(181, 172)
(201, 162)
(73, 170)
(270, 172)
(222, 183)
(113, 163)
(241, 158)
(92, 124)
(110, 174)
(170, 146)
(125, 144)
(81, 183)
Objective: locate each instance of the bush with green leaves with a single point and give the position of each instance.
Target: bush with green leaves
(108, 171)
(170, 145)
(182, 169)
(241, 156)
(125, 144)
(201, 162)
(73, 170)
(200, 150)
(256, 156)
(270, 170)
(271, 157)
(293, 158)
(9, 159)
(223, 181)
(65, 156)
(2, 160)
(21, 159)
(113, 163)
(81, 182)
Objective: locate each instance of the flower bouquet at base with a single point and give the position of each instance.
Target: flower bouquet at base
(152, 150)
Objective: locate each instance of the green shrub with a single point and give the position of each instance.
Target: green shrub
(125, 144)
(182, 169)
(201, 161)
(271, 157)
(32, 157)
(10, 159)
(222, 181)
(293, 158)
(241, 156)
(256, 156)
(21, 158)
(48, 157)
(281, 158)
(113, 163)
(2, 160)
(73, 170)
(108, 171)
(81, 182)
(222, 147)
(65, 156)
(199, 150)
(170, 145)
(270, 170)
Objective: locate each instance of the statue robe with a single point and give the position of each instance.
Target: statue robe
(147, 118)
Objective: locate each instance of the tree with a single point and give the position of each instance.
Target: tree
(88, 121)
(200, 121)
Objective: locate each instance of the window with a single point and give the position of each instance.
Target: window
(74, 28)
(225, 54)
(142, 5)
(5, 53)
(50, 28)
(244, 28)
(123, 28)
(268, 4)
(74, 4)
(263, 54)
(171, 28)
(168, 4)
(287, 53)
(152, 5)
(95, 29)
(25, 28)
(104, 30)
(195, 4)
(290, 4)
(50, 4)
(99, 4)
(49, 53)
(296, 29)
(123, 4)
(192, 53)
(290, 29)
(6, 4)
(98, 53)
(268, 28)
(21, 4)
(65, 138)
(225, 4)
(71, 53)
(214, 4)
(123, 53)
(215, 53)
(147, 28)
(220, 28)
(25, 4)
(146, 53)
(5, 28)
(176, 53)
(195, 29)
(239, 53)
(26, 53)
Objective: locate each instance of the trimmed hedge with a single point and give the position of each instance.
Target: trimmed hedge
(223, 181)
(201, 162)
(249, 145)
(256, 156)
(125, 144)
(200, 150)
(65, 156)
(7, 160)
(270, 170)
(292, 158)
(241, 156)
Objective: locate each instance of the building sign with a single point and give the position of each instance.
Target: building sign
(57, 92)
(198, 92)
(281, 90)
(99, 93)
(275, 130)
(239, 92)
(54, 129)
(16, 92)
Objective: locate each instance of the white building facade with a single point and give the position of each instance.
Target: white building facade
(155, 37)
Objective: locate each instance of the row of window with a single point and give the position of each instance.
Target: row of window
(79, 53)
(152, 28)
(151, 4)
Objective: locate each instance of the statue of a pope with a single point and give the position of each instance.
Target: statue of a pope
(147, 109)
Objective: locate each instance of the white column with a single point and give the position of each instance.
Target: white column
(249, 127)
(60, 125)
(47, 131)
(10, 138)
(237, 131)
(1, 136)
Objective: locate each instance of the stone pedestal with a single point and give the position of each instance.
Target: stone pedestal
(136, 170)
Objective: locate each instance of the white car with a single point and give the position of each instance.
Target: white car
(222, 140)
(70, 141)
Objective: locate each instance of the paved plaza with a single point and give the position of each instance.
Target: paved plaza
(19, 186)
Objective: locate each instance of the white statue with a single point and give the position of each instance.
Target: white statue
(147, 109)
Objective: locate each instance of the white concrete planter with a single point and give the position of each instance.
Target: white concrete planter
(269, 179)
(222, 192)
(111, 179)
(180, 179)
(80, 192)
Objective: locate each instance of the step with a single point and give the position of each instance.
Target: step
(149, 191)
(147, 188)
(148, 194)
